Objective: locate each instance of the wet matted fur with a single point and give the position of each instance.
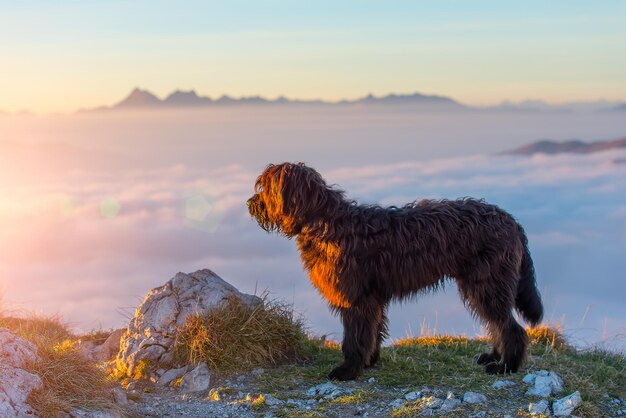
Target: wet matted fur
(361, 257)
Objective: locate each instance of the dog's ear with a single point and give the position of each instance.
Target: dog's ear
(303, 194)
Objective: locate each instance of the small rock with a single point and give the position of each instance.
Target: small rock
(296, 403)
(539, 408)
(413, 396)
(214, 395)
(480, 414)
(196, 380)
(397, 403)
(371, 380)
(327, 390)
(544, 383)
(258, 372)
(449, 403)
(432, 403)
(111, 346)
(565, 406)
(335, 394)
(501, 384)
(272, 401)
(120, 397)
(473, 397)
(171, 375)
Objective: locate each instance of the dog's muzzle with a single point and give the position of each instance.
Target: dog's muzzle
(257, 210)
(255, 207)
(252, 204)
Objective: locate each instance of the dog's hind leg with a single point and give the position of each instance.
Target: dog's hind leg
(382, 333)
(492, 299)
(513, 342)
(360, 327)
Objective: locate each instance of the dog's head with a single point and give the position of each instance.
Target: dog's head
(287, 197)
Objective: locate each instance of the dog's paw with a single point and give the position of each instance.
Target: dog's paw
(499, 368)
(373, 360)
(344, 372)
(494, 368)
(486, 358)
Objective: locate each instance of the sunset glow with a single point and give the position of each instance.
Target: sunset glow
(98, 206)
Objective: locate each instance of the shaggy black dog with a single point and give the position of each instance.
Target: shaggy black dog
(363, 257)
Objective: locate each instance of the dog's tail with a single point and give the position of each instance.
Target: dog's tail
(528, 299)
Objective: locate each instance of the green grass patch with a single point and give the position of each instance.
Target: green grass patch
(449, 362)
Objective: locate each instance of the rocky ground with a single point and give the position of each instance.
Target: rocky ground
(421, 376)
(533, 394)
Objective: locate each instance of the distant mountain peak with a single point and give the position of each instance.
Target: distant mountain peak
(573, 146)
(139, 98)
(183, 93)
(186, 98)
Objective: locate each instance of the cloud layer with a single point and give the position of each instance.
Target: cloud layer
(62, 252)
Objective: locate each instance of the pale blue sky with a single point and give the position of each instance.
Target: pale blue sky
(62, 55)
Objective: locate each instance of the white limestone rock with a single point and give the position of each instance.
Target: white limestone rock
(105, 351)
(539, 408)
(327, 390)
(111, 346)
(431, 406)
(16, 383)
(196, 380)
(396, 403)
(413, 396)
(502, 384)
(272, 401)
(171, 375)
(15, 351)
(565, 406)
(120, 397)
(449, 403)
(152, 330)
(473, 397)
(544, 383)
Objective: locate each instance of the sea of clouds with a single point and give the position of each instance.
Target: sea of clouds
(87, 228)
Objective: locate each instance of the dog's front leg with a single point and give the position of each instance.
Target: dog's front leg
(359, 333)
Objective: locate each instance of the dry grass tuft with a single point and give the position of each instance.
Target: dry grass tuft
(69, 380)
(36, 327)
(332, 344)
(237, 337)
(550, 335)
(432, 340)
